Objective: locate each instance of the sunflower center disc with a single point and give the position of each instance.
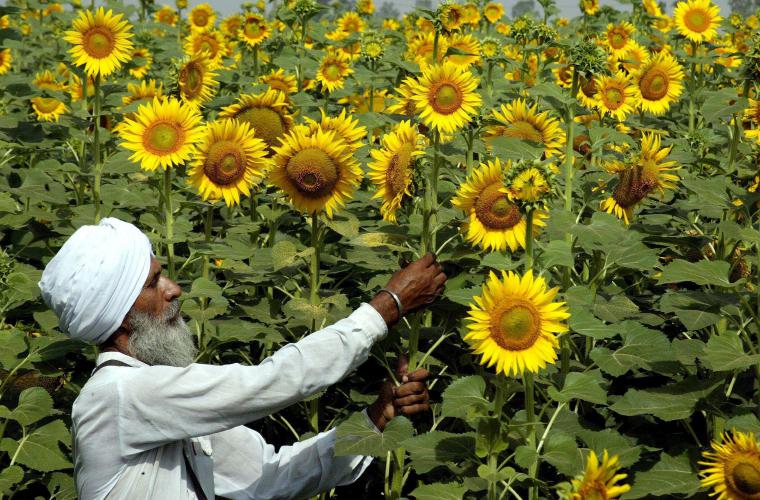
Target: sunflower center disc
(200, 19)
(396, 175)
(252, 30)
(162, 137)
(313, 172)
(654, 85)
(225, 163)
(696, 20)
(446, 99)
(47, 104)
(267, 124)
(193, 78)
(494, 210)
(209, 47)
(617, 40)
(524, 130)
(332, 72)
(613, 98)
(98, 42)
(634, 185)
(589, 87)
(746, 478)
(518, 327)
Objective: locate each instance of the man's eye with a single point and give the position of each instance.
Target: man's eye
(154, 282)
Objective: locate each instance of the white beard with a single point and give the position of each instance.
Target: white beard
(161, 340)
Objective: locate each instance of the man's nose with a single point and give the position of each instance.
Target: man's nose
(172, 290)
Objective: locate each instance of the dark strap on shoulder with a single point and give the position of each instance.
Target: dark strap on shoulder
(110, 362)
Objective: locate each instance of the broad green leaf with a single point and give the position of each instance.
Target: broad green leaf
(512, 148)
(462, 296)
(672, 475)
(642, 348)
(617, 308)
(585, 386)
(703, 272)
(356, 437)
(671, 402)
(33, 404)
(464, 398)
(582, 321)
(439, 491)
(744, 423)
(61, 486)
(39, 449)
(12, 344)
(726, 352)
(561, 450)
(557, 253)
(436, 448)
(9, 477)
(614, 442)
(696, 310)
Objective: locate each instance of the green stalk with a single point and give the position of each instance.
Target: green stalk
(531, 420)
(169, 221)
(96, 148)
(372, 89)
(693, 88)
(255, 61)
(314, 300)
(179, 27)
(470, 140)
(493, 456)
(397, 477)
(529, 240)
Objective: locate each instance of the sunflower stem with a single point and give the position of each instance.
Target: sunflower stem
(179, 27)
(397, 478)
(529, 240)
(314, 271)
(435, 47)
(255, 62)
(96, 148)
(531, 420)
(169, 222)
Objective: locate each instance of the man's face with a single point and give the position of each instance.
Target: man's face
(157, 333)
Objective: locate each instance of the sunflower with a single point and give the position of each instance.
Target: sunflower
(637, 181)
(732, 469)
(229, 159)
(451, 16)
(359, 103)
(347, 24)
(615, 95)
(493, 11)
(163, 133)
(752, 115)
(344, 126)
(590, 7)
(100, 41)
(697, 20)
(278, 80)
(268, 113)
(662, 23)
(365, 7)
(202, 17)
(140, 71)
(518, 120)
(392, 167)
(48, 109)
(619, 38)
(470, 47)
(420, 49)
(529, 186)
(196, 80)
(514, 322)
(634, 58)
(318, 171)
(446, 97)
(563, 75)
(47, 81)
(494, 221)
(230, 25)
(254, 29)
(599, 480)
(209, 41)
(145, 90)
(658, 83)
(471, 14)
(333, 70)
(6, 58)
(166, 15)
(652, 7)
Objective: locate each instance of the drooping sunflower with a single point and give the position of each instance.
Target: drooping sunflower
(344, 125)
(254, 29)
(658, 83)
(141, 54)
(514, 323)
(268, 113)
(6, 58)
(318, 171)
(446, 97)
(752, 115)
(333, 70)
(517, 119)
(202, 17)
(470, 47)
(494, 221)
(647, 172)
(493, 11)
(208, 41)
(732, 468)
(618, 38)
(279, 80)
(392, 167)
(616, 95)
(697, 20)
(48, 109)
(100, 41)
(166, 15)
(162, 133)
(229, 159)
(196, 81)
(599, 480)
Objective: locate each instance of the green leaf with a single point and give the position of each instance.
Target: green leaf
(9, 477)
(557, 253)
(39, 449)
(726, 353)
(462, 296)
(617, 308)
(614, 442)
(585, 386)
(356, 437)
(703, 272)
(671, 402)
(583, 322)
(439, 491)
(61, 486)
(437, 448)
(464, 398)
(11, 345)
(33, 404)
(642, 348)
(672, 475)
(561, 450)
(512, 148)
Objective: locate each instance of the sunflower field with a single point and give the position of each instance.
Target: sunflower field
(590, 185)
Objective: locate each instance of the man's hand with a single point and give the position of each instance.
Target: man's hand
(409, 398)
(417, 285)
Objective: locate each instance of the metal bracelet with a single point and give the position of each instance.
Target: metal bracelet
(397, 300)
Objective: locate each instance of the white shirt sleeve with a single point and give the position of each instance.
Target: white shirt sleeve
(160, 404)
(246, 466)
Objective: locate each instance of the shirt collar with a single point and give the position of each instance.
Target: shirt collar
(105, 356)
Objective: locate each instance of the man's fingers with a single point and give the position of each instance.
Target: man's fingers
(410, 400)
(413, 409)
(427, 259)
(418, 375)
(440, 279)
(402, 365)
(410, 388)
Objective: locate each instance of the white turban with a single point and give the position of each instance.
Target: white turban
(95, 278)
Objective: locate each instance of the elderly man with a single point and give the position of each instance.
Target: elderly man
(152, 424)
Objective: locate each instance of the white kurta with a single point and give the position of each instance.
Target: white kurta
(130, 424)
